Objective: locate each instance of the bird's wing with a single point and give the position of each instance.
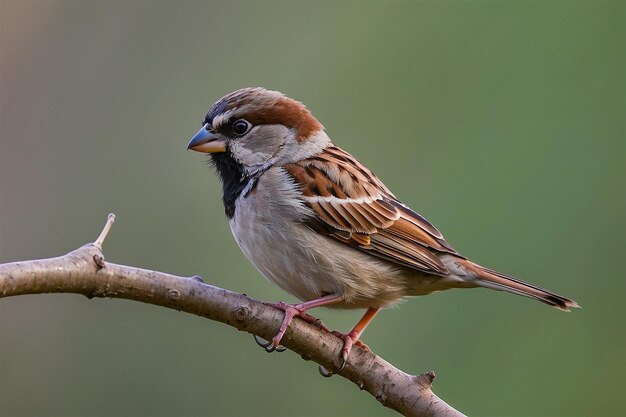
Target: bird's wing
(353, 206)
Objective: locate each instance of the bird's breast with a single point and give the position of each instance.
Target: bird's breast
(268, 225)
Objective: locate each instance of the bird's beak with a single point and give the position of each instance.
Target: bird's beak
(206, 141)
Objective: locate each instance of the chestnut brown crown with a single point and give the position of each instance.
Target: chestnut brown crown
(260, 106)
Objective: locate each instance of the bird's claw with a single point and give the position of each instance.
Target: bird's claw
(349, 340)
(344, 361)
(325, 372)
(260, 341)
(291, 311)
(270, 346)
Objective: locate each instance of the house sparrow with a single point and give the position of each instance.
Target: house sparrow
(319, 224)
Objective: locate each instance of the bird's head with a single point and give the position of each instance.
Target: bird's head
(258, 128)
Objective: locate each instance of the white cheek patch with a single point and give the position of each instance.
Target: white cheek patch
(259, 147)
(248, 157)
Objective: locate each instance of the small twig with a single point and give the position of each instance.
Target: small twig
(105, 231)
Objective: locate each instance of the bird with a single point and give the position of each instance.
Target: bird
(320, 225)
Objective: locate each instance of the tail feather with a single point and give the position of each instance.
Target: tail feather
(498, 281)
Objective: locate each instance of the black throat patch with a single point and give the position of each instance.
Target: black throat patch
(235, 182)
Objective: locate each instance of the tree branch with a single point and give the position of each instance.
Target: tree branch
(84, 271)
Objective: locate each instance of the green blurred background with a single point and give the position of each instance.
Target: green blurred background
(503, 123)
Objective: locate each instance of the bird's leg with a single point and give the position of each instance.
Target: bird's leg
(352, 337)
(299, 310)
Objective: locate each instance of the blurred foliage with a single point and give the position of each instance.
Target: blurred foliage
(503, 123)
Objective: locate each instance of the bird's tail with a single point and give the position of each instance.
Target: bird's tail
(497, 281)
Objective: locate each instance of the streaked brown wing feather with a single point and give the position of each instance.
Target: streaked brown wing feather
(354, 207)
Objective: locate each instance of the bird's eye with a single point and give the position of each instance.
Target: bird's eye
(241, 127)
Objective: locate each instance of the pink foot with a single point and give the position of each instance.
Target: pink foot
(291, 311)
(349, 339)
(297, 310)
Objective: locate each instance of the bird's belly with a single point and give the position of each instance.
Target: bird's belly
(309, 265)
